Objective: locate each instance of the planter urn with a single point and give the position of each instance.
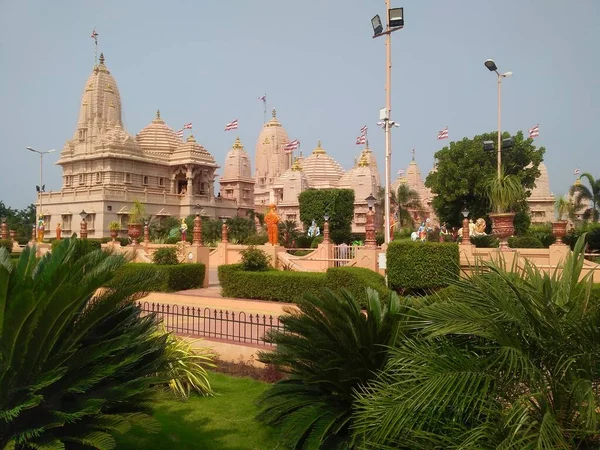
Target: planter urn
(503, 227)
(559, 230)
(114, 234)
(135, 231)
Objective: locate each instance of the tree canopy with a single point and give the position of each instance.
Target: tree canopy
(587, 199)
(464, 166)
(338, 203)
(20, 220)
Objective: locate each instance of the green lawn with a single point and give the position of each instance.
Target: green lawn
(223, 422)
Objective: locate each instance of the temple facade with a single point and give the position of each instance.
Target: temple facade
(105, 169)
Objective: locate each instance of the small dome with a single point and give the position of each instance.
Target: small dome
(320, 169)
(292, 182)
(413, 175)
(360, 178)
(158, 137)
(191, 151)
(237, 164)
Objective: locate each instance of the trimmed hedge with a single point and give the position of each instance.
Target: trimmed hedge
(286, 286)
(525, 242)
(167, 278)
(356, 280)
(273, 285)
(421, 266)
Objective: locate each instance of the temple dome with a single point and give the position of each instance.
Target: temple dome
(542, 183)
(321, 170)
(413, 175)
(192, 152)
(158, 137)
(372, 163)
(270, 158)
(360, 178)
(100, 103)
(237, 164)
(292, 182)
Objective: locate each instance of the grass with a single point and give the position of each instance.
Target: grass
(223, 422)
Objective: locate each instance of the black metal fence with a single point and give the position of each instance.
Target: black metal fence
(212, 323)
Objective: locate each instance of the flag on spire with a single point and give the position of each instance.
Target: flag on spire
(401, 173)
(263, 98)
(179, 133)
(534, 132)
(576, 172)
(232, 125)
(363, 131)
(291, 146)
(362, 139)
(95, 36)
(187, 126)
(443, 134)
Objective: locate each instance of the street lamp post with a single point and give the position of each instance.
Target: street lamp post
(41, 187)
(394, 22)
(466, 237)
(370, 240)
(326, 229)
(491, 65)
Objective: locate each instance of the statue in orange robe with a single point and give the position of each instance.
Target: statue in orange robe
(272, 219)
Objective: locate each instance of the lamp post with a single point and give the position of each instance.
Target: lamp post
(83, 225)
(41, 187)
(394, 22)
(466, 239)
(370, 241)
(326, 229)
(491, 65)
(146, 233)
(224, 231)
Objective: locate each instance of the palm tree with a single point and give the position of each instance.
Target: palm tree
(288, 233)
(506, 361)
(587, 198)
(407, 199)
(330, 348)
(75, 365)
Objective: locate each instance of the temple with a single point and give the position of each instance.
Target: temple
(105, 169)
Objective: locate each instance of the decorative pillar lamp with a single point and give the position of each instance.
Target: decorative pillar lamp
(370, 241)
(326, 229)
(197, 237)
(83, 229)
(33, 234)
(146, 233)
(13, 235)
(465, 227)
(224, 231)
(4, 230)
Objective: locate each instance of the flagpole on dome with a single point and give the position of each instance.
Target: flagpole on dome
(95, 38)
(263, 98)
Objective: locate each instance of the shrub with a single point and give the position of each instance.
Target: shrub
(164, 278)
(356, 280)
(316, 241)
(485, 241)
(7, 244)
(165, 256)
(524, 242)
(86, 245)
(74, 372)
(256, 239)
(270, 285)
(254, 259)
(331, 350)
(543, 233)
(417, 266)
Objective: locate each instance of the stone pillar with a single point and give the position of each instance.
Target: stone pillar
(173, 187)
(4, 230)
(146, 234)
(326, 232)
(190, 187)
(83, 229)
(370, 239)
(224, 233)
(466, 239)
(13, 235)
(33, 234)
(197, 238)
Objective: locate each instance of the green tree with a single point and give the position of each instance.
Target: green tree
(587, 198)
(288, 232)
(73, 368)
(337, 203)
(406, 200)
(330, 349)
(504, 360)
(464, 167)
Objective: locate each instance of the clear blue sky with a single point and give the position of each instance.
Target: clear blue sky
(208, 62)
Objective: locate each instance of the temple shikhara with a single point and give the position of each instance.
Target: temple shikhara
(105, 169)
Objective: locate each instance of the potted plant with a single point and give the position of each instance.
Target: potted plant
(503, 191)
(559, 228)
(136, 219)
(114, 228)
